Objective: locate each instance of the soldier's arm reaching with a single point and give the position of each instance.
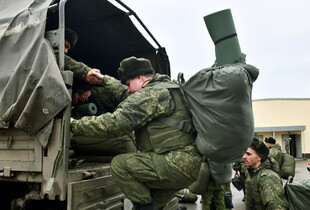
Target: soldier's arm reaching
(134, 112)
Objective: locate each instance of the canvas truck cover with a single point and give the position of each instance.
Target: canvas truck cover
(107, 35)
(32, 90)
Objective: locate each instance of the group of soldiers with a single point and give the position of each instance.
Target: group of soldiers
(259, 169)
(167, 159)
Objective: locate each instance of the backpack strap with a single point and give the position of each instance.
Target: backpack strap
(181, 125)
(166, 85)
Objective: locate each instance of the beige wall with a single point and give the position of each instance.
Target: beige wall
(284, 112)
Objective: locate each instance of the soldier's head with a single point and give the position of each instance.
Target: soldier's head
(71, 39)
(135, 72)
(256, 153)
(270, 141)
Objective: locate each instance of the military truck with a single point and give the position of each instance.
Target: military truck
(36, 170)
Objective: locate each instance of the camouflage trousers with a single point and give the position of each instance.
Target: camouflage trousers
(226, 187)
(218, 198)
(147, 177)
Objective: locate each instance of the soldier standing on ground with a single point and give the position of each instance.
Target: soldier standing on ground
(168, 159)
(287, 146)
(264, 189)
(275, 150)
(215, 193)
(240, 168)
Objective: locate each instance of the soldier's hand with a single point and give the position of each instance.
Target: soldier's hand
(85, 96)
(98, 75)
(76, 98)
(91, 77)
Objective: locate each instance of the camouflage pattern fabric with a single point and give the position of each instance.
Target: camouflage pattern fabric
(272, 190)
(117, 89)
(186, 196)
(146, 176)
(79, 69)
(287, 147)
(142, 176)
(276, 153)
(217, 193)
(226, 187)
(106, 98)
(134, 112)
(268, 193)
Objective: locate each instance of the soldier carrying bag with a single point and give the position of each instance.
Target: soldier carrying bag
(220, 101)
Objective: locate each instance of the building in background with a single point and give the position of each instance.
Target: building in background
(284, 119)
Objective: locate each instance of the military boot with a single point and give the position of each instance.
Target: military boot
(149, 206)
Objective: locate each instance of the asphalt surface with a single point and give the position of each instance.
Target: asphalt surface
(301, 173)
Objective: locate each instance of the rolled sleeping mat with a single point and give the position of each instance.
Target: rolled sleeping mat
(223, 33)
(87, 109)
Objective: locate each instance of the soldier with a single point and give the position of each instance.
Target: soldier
(264, 188)
(104, 101)
(214, 193)
(274, 150)
(287, 146)
(81, 71)
(167, 160)
(240, 169)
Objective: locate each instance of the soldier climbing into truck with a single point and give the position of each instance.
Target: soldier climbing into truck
(35, 100)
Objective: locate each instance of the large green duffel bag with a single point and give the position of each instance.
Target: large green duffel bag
(98, 146)
(298, 194)
(288, 166)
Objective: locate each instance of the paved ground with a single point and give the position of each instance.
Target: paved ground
(301, 173)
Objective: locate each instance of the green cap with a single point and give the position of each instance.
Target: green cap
(71, 36)
(260, 147)
(132, 67)
(223, 33)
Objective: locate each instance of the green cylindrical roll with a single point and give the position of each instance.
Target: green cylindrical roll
(223, 33)
(87, 109)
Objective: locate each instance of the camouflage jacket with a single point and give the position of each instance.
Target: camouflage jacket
(79, 69)
(134, 111)
(276, 153)
(264, 189)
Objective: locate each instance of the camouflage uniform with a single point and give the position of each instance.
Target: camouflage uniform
(287, 147)
(265, 192)
(240, 167)
(164, 165)
(217, 193)
(276, 153)
(79, 69)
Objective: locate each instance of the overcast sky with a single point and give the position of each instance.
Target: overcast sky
(274, 34)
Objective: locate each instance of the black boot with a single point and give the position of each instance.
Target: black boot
(181, 207)
(228, 200)
(149, 206)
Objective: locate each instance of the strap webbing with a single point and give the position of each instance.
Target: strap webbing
(181, 125)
